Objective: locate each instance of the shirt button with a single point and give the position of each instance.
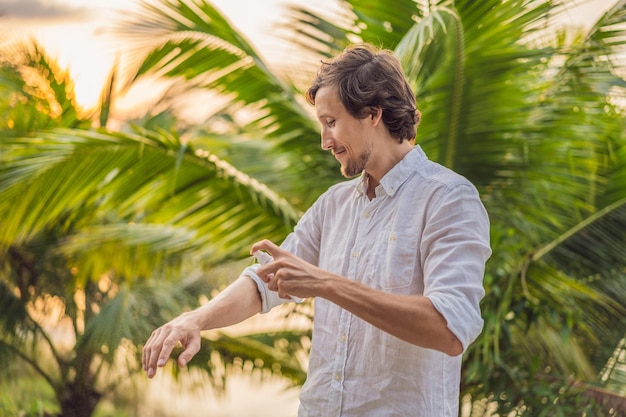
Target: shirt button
(338, 377)
(367, 214)
(355, 254)
(343, 337)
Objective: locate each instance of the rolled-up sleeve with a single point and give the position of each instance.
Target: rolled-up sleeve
(455, 247)
(302, 242)
(269, 298)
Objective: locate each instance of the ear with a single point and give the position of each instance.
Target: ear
(376, 115)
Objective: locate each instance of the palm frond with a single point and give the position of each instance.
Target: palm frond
(192, 41)
(274, 355)
(45, 81)
(133, 310)
(319, 35)
(613, 376)
(13, 316)
(87, 178)
(594, 247)
(107, 96)
(378, 24)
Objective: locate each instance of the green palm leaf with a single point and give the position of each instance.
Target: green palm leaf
(530, 122)
(192, 41)
(36, 92)
(274, 353)
(88, 177)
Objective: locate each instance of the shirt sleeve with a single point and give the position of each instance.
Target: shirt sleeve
(269, 298)
(455, 247)
(302, 242)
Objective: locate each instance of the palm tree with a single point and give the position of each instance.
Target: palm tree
(535, 122)
(88, 215)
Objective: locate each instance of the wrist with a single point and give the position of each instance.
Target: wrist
(327, 286)
(194, 320)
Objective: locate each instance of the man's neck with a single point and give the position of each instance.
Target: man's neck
(383, 164)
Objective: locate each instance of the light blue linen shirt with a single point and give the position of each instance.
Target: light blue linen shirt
(425, 233)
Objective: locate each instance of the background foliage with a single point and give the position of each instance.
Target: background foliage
(112, 232)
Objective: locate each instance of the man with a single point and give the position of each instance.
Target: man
(394, 259)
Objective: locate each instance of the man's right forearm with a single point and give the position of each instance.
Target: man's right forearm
(239, 301)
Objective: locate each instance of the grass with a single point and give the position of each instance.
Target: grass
(26, 395)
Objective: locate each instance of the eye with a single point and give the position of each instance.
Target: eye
(330, 122)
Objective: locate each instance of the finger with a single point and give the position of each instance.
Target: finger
(166, 349)
(145, 356)
(281, 288)
(272, 284)
(159, 349)
(151, 352)
(281, 292)
(267, 278)
(267, 246)
(192, 346)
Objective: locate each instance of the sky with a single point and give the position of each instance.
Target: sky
(78, 33)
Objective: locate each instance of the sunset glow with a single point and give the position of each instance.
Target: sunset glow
(80, 34)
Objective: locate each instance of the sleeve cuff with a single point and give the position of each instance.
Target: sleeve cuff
(269, 298)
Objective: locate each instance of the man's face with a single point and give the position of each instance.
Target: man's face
(344, 135)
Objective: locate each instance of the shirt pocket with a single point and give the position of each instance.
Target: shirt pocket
(394, 258)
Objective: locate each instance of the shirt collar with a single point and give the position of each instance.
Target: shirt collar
(397, 175)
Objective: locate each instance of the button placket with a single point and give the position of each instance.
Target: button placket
(341, 350)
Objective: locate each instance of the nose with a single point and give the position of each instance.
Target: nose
(327, 140)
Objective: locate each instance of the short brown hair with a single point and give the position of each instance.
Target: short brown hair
(368, 78)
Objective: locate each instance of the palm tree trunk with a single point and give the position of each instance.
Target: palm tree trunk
(78, 400)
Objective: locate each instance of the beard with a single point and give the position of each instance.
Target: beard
(355, 166)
